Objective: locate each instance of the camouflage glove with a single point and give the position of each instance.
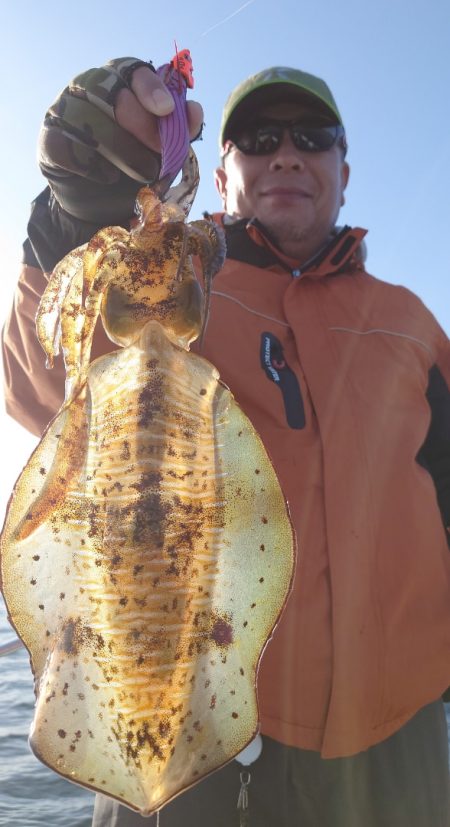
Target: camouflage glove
(93, 165)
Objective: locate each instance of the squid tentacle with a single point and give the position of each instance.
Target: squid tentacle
(207, 240)
(52, 300)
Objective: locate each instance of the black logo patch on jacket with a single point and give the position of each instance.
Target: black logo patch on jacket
(277, 370)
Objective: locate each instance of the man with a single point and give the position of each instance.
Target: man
(340, 373)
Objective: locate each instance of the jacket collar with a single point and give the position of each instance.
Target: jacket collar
(249, 242)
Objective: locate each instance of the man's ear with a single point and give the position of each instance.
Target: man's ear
(345, 177)
(220, 180)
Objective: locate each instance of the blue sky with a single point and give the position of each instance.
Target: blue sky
(386, 62)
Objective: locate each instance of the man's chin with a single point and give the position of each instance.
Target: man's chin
(299, 239)
(284, 228)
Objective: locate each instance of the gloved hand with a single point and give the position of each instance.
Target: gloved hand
(99, 142)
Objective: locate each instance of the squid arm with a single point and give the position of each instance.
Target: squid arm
(207, 241)
(66, 468)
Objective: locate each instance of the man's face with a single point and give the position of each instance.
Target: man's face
(296, 195)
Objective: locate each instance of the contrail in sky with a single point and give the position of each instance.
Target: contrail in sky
(233, 14)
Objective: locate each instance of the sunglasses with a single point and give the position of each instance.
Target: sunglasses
(264, 139)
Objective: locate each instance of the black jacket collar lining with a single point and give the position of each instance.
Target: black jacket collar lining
(241, 247)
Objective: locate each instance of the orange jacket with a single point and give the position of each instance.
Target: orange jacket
(333, 368)
(364, 642)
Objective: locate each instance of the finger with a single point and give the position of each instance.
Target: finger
(131, 115)
(151, 92)
(195, 118)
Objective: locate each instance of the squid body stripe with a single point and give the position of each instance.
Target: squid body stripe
(155, 627)
(116, 461)
(166, 423)
(116, 498)
(142, 437)
(385, 332)
(141, 715)
(135, 476)
(138, 382)
(125, 498)
(139, 379)
(179, 590)
(105, 627)
(157, 566)
(134, 680)
(172, 398)
(185, 409)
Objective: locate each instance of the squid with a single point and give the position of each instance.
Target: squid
(147, 550)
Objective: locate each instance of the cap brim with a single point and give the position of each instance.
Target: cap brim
(249, 107)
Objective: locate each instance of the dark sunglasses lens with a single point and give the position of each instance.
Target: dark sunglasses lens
(260, 140)
(313, 139)
(263, 140)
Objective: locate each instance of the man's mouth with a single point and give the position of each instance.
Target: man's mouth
(286, 192)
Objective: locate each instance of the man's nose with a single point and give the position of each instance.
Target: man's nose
(287, 156)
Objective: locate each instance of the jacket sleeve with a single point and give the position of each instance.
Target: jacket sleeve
(94, 169)
(32, 393)
(435, 453)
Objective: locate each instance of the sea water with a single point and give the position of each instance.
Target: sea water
(31, 795)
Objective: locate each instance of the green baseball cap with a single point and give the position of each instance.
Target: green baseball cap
(279, 83)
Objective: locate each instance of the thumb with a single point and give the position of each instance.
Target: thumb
(151, 92)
